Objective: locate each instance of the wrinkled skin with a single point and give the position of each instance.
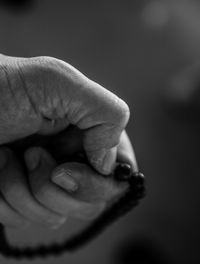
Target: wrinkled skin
(44, 96)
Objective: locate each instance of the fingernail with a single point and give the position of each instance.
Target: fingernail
(63, 178)
(3, 158)
(32, 158)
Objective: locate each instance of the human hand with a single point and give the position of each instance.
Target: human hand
(29, 111)
(44, 95)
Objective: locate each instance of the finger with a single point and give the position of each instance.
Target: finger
(103, 117)
(51, 195)
(16, 192)
(92, 187)
(62, 145)
(101, 114)
(11, 218)
(8, 216)
(70, 96)
(125, 152)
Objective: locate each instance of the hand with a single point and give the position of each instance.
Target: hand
(34, 103)
(44, 95)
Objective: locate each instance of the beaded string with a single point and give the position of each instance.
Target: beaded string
(128, 201)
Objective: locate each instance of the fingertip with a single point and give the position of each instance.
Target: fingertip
(103, 160)
(32, 158)
(35, 156)
(125, 152)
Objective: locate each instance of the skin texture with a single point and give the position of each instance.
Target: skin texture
(44, 96)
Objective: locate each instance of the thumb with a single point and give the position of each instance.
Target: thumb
(70, 96)
(102, 116)
(92, 187)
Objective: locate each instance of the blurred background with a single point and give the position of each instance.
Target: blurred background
(147, 52)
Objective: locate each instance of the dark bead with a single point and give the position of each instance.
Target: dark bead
(123, 172)
(139, 178)
(42, 251)
(140, 195)
(28, 252)
(17, 253)
(139, 191)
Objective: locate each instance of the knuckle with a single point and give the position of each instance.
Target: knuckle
(50, 63)
(123, 113)
(43, 64)
(43, 60)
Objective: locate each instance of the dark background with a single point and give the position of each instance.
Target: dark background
(134, 48)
